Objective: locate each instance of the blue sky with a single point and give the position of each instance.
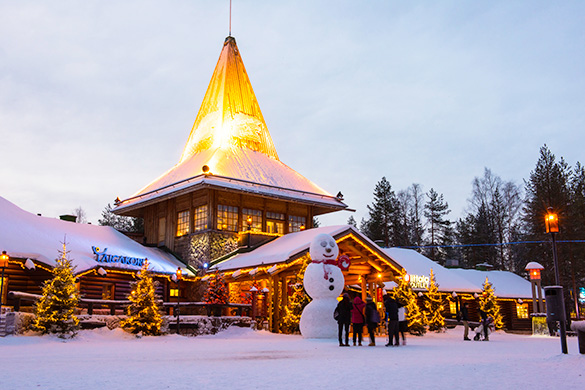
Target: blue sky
(97, 98)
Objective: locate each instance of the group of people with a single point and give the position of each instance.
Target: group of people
(360, 313)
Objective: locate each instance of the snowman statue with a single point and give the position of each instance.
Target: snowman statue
(323, 282)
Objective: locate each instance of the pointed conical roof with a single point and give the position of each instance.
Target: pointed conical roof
(230, 147)
(229, 114)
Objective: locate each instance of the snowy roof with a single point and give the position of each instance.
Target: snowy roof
(238, 169)
(26, 235)
(416, 264)
(506, 284)
(230, 141)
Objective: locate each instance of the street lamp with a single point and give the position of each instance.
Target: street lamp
(534, 269)
(178, 276)
(551, 222)
(3, 264)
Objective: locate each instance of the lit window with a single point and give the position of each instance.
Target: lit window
(4, 285)
(227, 218)
(255, 216)
(200, 222)
(453, 307)
(174, 292)
(182, 223)
(295, 223)
(522, 310)
(275, 223)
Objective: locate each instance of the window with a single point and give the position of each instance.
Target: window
(174, 292)
(227, 218)
(4, 284)
(522, 310)
(162, 227)
(200, 222)
(108, 291)
(182, 223)
(274, 223)
(256, 216)
(453, 307)
(295, 223)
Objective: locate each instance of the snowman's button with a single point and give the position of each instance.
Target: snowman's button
(331, 280)
(331, 287)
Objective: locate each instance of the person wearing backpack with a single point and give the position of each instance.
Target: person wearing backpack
(342, 315)
(372, 320)
(357, 319)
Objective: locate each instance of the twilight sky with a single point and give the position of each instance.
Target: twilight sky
(97, 98)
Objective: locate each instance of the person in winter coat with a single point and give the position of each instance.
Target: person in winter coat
(402, 323)
(392, 311)
(485, 324)
(465, 320)
(344, 319)
(372, 320)
(357, 319)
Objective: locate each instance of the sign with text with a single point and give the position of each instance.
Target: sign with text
(102, 257)
(419, 281)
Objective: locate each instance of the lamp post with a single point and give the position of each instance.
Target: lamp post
(3, 264)
(178, 276)
(551, 222)
(454, 295)
(249, 222)
(534, 269)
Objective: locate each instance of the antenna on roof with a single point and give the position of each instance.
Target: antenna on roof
(230, 33)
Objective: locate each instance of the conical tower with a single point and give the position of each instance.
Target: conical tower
(229, 115)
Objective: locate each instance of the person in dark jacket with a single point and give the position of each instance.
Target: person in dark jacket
(392, 312)
(357, 319)
(344, 319)
(485, 324)
(372, 319)
(465, 320)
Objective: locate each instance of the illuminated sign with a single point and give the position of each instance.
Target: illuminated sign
(103, 257)
(419, 281)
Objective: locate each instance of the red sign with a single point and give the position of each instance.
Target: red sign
(379, 294)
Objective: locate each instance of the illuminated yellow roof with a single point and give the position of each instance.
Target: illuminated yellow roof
(229, 115)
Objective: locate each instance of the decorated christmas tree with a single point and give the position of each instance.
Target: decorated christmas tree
(403, 293)
(217, 292)
(434, 306)
(143, 313)
(488, 303)
(54, 310)
(296, 302)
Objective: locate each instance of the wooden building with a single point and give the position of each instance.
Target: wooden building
(274, 267)
(229, 188)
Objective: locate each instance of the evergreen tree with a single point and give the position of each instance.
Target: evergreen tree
(435, 211)
(434, 306)
(122, 224)
(217, 292)
(54, 311)
(144, 312)
(296, 303)
(548, 186)
(489, 304)
(383, 219)
(403, 293)
(351, 221)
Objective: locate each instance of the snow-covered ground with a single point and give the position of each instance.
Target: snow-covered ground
(243, 359)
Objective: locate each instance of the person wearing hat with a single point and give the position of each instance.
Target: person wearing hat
(343, 311)
(372, 320)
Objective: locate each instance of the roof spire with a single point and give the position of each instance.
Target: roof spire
(229, 115)
(230, 32)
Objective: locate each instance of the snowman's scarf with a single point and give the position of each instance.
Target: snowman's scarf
(326, 263)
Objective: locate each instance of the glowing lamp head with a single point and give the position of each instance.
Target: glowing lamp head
(179, 273)
(551, 221)
(534, 274)
(249, 221)
(4, 259)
